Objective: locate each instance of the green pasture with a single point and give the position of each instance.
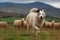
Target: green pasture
(12, 34)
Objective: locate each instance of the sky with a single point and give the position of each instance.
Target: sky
(55, 3)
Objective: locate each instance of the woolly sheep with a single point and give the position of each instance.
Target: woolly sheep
(57, 25)
(17, 24)
(47, 24)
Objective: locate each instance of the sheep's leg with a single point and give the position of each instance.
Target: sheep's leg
(37, 30)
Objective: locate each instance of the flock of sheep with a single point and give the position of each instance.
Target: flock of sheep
(35, 18)
(47, 25)
(23, 24)
(51, 25)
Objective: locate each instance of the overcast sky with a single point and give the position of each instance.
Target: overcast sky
(55, 3)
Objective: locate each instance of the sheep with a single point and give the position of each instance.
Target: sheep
(34, 18)
(57, 25)
(3, 24)
(49, 25)
(17, 24)
(20, 24)
(23, 23)
(53, 25)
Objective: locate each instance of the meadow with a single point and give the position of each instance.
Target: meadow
(12, 34)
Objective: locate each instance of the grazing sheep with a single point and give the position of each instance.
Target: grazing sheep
(3, 24)
(34, 19)
(49, 25)
(57, 25)
(17, 24)
(20, 23)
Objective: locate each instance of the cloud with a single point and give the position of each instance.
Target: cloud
(55, 4)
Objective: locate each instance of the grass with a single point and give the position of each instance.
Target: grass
(12, 34)
(51, 18)
(9, 19)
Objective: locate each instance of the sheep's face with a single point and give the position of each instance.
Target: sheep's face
(42, 14)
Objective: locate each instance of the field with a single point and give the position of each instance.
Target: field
(12, 34)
